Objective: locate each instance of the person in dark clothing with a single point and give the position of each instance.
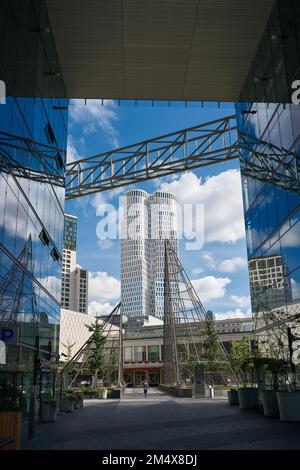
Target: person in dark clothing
(146, 388)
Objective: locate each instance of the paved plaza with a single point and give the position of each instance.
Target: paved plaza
(162, 422)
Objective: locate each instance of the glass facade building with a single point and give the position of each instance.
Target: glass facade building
(272, 214)
(33, 126)
(70, 232)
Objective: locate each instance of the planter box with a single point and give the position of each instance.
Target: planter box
(102, 394)
(10, 426)
(49, 413)
(248, 398)
(270, 403)
(66, 405)
(114, 393)
(233, 397)
(220, 393)
(289, 405)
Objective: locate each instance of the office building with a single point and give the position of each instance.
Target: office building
(147, 221)
(272, 213)
(74, 289)
(31, 203)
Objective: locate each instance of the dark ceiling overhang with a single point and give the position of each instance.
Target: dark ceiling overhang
(157, 49)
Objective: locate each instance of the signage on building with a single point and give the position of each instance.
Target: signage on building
(9, 334)
(45, 363)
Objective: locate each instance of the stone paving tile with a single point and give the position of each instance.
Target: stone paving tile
(164, 422)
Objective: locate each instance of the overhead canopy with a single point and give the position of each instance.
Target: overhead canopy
(157, 49)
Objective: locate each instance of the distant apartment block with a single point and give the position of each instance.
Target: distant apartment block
(74, 291)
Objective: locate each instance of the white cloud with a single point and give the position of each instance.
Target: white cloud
(210, 287)
(98, 308)
(197, 270)
(209, 259)
(232, 265)
(106, 244)
(291, 238)
(103, 288)
(242, 301)
(222, 198)
(72, 152)
(94, 116)
(238, 313)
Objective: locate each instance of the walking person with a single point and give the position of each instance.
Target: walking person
(146, 388)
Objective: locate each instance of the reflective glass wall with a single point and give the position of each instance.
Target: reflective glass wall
(33, 133)
(272, 214)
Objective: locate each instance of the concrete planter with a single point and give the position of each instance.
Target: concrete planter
(114, 393)
(270, 403)
(289, 405)
(248, 398)
(67, 405)
(102, 394)
(48, 412)
(233, 398)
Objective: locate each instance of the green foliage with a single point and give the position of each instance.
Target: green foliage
(96, 358)
(51, 402)
(241, 358)
(275, 366)
(69, 347)
(211, 346)
(9, 398)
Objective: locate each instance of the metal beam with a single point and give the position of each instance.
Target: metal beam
(26, 158)
(206, 144)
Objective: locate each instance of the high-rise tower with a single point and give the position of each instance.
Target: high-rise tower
(147, 220)
(74, 290)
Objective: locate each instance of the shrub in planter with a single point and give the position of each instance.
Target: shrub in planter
(289, 405)
(233, 398)
(49, 410)
(270, 403)
(248, 398)
(80, 400)
(93, 393)
(269, 397)
(67, 404)
(102, 393)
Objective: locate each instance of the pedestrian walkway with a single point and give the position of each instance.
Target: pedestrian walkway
(137, 394)
(163, 423)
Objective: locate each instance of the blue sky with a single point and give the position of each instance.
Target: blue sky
(218, 270)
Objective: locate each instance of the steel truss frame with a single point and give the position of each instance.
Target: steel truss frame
(206, 144)
(185, 320)
(31, 159)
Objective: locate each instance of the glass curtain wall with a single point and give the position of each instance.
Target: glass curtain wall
(31, 206)
(272, 214)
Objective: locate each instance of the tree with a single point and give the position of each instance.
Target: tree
(69, 347)
(211, 353)
(242, 359)
(96, 359)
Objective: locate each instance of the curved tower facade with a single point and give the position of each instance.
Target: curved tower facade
(147, 220)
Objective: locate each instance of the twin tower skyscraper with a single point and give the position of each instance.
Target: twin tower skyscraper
(146, 221)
